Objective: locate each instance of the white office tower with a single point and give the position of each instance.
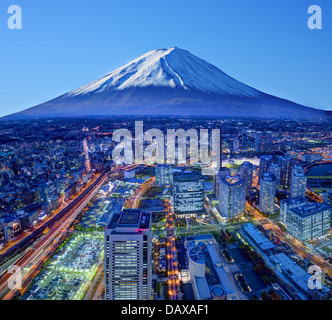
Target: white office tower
(128, 256)
(275, 169)
(232, 196)
(258, 141)
(236, 145)
(223, 173)
(298, 182)
(267, 193)
(163, 173)
(188, 194)
(246, 173)
(289, 203)
(309, 222)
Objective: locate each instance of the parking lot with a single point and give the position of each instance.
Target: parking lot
(70, 271)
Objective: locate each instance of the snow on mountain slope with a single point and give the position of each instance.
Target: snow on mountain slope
(168, 82)
(174, 68)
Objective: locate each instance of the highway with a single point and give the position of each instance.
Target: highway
(172, 261)
(42, 248)
(297, 246)
(134, 201)
(26, 233)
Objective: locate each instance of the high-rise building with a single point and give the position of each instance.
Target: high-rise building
(128, 256)
(298, 182)
(86, 156)
(236, 145)
(244, 143)
(246, 173)
(264, 165)
(309, 222)
(258, 141)
(285, 164)
(275, 169)
(188, 194)
(163, 174)
(268, 145)
(223, 173)
(232, 196)
(327, 198)
(289, 203)
(267, 193)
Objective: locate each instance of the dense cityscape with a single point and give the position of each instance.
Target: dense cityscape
(77, 225)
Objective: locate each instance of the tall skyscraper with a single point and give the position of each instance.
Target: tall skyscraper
(298, 182)
(258, 141)
(232, 196)
(223, 173)
(246, 173)
(188, 194)
(244, 143)
(86, 156)
(163, 174)
(264, 165)
(236, 145)
(128, 256)
(285, 164)
(267, 193)
(268, 145)
(275, 169)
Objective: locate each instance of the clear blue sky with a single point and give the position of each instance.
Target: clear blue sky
(263, 43)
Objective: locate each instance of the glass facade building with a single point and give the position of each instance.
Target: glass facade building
(128, 256)
(267, 194)
(232, 197)
(298, 182)
(309, 222)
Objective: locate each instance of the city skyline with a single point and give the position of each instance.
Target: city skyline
(197, 171)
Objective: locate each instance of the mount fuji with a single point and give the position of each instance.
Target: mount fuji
(168, 82)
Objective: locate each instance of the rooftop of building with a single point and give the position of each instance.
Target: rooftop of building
(205, 244)
(232, 180)
(261, 240)
(187, 176)
(268, 176)
(293, 270)
(293, 201)
(310, 209)
(128, 218)
(196, 255)
(203, 289)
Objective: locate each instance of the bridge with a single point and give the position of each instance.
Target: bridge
(310, 165)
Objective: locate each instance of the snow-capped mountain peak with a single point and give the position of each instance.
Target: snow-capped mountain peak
(167, 82)
(173, 68)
